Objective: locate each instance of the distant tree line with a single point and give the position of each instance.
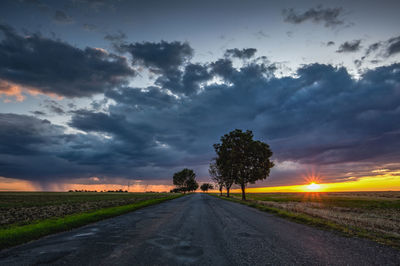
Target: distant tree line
(84, 190)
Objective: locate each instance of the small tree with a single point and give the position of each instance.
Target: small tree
(185, 180)
(206, 186)
(216, 176)
(243, 159)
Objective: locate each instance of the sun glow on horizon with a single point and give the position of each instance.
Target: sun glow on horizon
(313, 186)
(385, 182)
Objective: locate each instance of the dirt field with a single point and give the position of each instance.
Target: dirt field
(25, 207)
(373, 212)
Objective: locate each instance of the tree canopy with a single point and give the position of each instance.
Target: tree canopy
(206, 186)
(242, 160)
(185, 180)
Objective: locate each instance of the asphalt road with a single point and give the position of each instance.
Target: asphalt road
(199, 230)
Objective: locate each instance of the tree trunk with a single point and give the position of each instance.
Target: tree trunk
(243, 191)
(220, 191)
(227, 192)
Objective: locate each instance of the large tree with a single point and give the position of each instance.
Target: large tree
(242, 158)
(185, 180)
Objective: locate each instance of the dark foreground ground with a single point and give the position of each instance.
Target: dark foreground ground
(201, 230)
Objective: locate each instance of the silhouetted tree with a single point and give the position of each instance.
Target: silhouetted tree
(206, 186)
(179, 178)
(191, 184)
(216, 176)
(245, 159)
(185, 180)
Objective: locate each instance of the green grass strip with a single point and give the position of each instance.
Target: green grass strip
(20, 234)
(348, 231)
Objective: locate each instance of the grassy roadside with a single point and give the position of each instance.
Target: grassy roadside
(349, 231)
(19, 234)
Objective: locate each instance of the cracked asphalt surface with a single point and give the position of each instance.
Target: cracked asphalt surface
(199, 229)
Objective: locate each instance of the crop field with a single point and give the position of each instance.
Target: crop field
(24, 208)
(30, 215)
(375, 215)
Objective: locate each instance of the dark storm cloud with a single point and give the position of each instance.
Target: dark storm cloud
(162, 57)
(134, 143)
(186, 81)
(171, 62)
(384, 49)
(61, 17)
(284, 111)
(330, 17)
(359, 115)
(24, 135)
(245, 53)
(151, 97)
(349, 47)
(330, 43)
(322, 116)
(52, 66)
(381, 50)
(27, 144)
(393, 46)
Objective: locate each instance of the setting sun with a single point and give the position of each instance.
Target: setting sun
(313, 186)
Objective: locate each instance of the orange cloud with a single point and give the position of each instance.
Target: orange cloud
(11, 184)
(10, 89)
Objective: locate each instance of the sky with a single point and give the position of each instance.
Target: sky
(98, 94)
